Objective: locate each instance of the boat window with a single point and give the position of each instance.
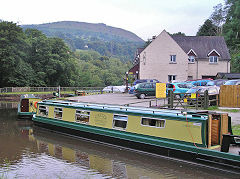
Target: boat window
(58, 113)
(120, 122)
(153, 122)
(43, 111)
(82, 116)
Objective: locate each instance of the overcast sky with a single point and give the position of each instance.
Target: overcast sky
(142, 17)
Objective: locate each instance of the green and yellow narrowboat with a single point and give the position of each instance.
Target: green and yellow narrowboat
(27, 106)
(202, 138)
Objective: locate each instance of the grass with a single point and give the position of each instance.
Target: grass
(215, 108)
(236, 129)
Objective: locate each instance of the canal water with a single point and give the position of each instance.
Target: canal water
(27, 151)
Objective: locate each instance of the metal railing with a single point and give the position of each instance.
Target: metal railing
(47, 89)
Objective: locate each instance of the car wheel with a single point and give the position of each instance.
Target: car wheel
(177, 96)
(142, 96)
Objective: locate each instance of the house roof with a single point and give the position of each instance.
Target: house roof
(203, 45)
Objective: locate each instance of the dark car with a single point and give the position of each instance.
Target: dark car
(216, 82)
(202, 82)
(233, 82)
(145, 81)
(145, 89)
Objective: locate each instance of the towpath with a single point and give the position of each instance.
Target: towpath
(131, 100)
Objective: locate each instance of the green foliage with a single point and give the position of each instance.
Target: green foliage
(236, 130)
(107, 41)
(207, 29)
(231, 28)
(31, 59)
(231, 32)
(235, 62)
(97, 70)
(179, 34)
(13, 52)
(225, 21)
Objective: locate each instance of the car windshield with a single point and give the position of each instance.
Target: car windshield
(192, 90)
(211, 83)
(185, 85)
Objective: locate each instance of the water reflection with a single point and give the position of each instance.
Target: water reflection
(5, 105)
(27, 151)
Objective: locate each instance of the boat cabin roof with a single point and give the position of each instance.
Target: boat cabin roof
(139, 111)
(25, 96)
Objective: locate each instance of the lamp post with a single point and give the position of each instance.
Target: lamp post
(136, 75)
(126, 90)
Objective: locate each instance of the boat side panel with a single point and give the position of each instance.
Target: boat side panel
(51, 112)
(173, 129)
(176, 130)
(69, 114)
(31, 104)
(101, 119)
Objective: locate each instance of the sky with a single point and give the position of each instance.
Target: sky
(145, 18)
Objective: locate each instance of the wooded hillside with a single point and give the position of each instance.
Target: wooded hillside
(106, 40)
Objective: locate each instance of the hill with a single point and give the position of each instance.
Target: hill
(107, 40)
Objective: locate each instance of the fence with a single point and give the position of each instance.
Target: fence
(46, 89)
(173, 101)
(230, 96)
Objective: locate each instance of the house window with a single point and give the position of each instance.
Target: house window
(159, 123)
(82, 116)
(58, 113)
(43, 111)
(213, 59)
(191, 59)
(120, 122)
(171, 78)
(172, 58)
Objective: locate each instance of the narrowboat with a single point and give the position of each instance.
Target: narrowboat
(203, 138)
(27, 106)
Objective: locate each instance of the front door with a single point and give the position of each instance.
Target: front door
(25, 105)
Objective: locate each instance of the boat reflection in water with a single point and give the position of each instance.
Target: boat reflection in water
(105, 161)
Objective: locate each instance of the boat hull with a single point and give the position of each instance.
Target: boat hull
(146, 144)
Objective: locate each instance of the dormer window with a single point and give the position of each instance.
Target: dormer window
(213, 56)
(191, 59)
(213, 59)
(191, 56)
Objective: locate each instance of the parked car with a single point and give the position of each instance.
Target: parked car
(119, 89)
(212, 92)
(145, 89)
(145, 81)
(132, 90)
(216, 82)
(182, 87)
(233, 82)
(202, 82)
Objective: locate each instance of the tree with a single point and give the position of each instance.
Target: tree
(13, 51)
(207, 29)
(179, 34)
(231, 28)
(218, 17)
